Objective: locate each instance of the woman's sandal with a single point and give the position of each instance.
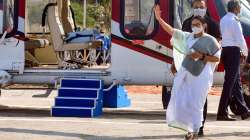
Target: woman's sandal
(191, 136)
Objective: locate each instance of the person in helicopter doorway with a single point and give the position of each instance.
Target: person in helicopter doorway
(200, 9)
(201, 52)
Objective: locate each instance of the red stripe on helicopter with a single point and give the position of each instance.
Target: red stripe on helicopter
(21, 5)
(139, 48)
(212, 10)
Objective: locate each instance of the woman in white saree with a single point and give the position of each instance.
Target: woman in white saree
(195, 57)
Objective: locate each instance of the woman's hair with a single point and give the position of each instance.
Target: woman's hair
(201, 19)
(194, 1)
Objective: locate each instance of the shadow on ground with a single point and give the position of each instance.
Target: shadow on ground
(10, 112)
(90, 137)
(81, 136)
(146, 116)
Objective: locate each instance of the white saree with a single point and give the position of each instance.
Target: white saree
(185, 110)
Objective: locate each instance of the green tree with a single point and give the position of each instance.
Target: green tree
(95, 13)
(107, 5)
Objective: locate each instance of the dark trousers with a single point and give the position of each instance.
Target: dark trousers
(232, 85)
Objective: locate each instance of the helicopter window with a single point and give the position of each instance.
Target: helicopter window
(7, 15)
(182, 11)
(34, 11)
(245, 16)
(137, 19)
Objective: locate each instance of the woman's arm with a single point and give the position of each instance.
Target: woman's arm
(169, 29)
(209, 58)
(204, 57)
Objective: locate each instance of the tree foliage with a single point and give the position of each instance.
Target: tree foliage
(96, 13)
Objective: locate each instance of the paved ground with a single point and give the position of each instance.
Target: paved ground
(25, 118)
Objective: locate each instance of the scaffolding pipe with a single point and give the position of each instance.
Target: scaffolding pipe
(84, 13)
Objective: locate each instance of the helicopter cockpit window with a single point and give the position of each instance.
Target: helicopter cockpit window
(137, 19)
(245, 16)
(7, 14)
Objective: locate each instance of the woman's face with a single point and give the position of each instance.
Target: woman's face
(197, 27)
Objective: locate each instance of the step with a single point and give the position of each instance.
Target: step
(80, 93)
(77, 102)
(75, 112)
(116, 97)
(82, 83)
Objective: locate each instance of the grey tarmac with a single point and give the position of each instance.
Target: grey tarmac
(25, 118)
